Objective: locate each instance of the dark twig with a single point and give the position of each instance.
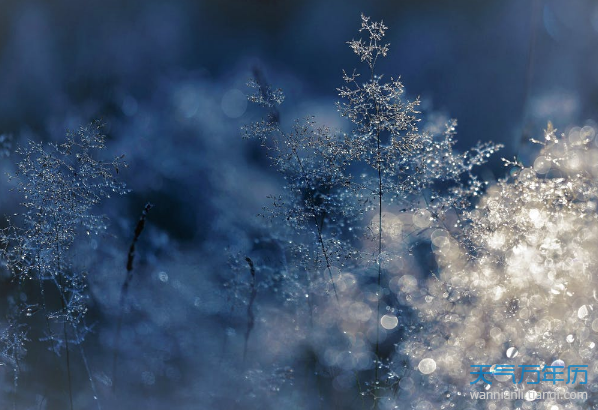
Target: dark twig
(125, 288)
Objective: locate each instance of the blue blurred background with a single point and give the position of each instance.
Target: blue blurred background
(497, 66)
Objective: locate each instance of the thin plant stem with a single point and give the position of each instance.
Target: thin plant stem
(125, 288)
(250, 315)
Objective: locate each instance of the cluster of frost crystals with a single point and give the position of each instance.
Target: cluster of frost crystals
(60, 185)
(521, 290)
(313, 160)
(265, 95)
(339, 234)
(13, 341)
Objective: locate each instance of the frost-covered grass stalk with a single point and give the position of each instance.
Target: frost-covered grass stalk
(311, 160)
(60, 185)
(356, 201)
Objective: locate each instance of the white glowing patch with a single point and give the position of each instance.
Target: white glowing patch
(496, 240)
(499, 291)
(537, 218)
(389, 322)
(531, 395)
(427, 366)
(533, 256)
(582, 312)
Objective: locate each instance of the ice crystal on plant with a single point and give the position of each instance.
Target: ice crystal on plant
(519, 291)
(371, 50)
(354, 203)
(60, 185)
(264, 95)
(13, 341)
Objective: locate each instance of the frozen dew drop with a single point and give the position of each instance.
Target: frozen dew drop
(31, 310)
(542, 165)
(427, 366)
(570, 339)
(163, 276)
(582, 312)
(595, 325)
(389, 322)
(512, 352)
(558, 362)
